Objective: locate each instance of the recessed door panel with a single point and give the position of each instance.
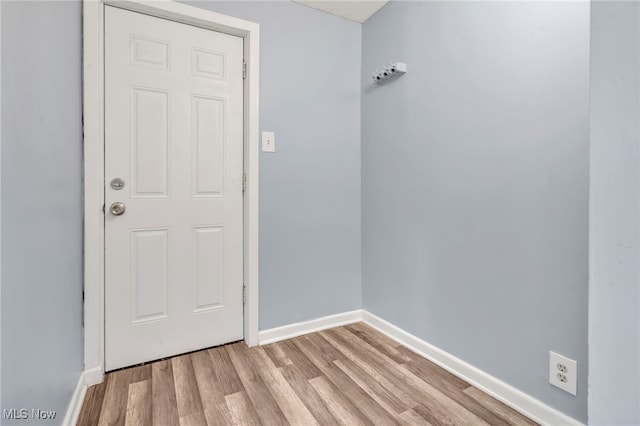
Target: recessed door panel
(149, 53)
(150, 274)
(207, 64)
(208, 267)
(208, 146)
(150, 142)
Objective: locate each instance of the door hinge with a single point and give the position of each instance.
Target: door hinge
(244, 183)
(244, 294)
(244, 69)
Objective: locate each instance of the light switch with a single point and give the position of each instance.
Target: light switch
(268, 142)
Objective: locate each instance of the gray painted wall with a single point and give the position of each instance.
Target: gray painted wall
(310, 187)
(41, 205)
(614, 288)
(475, 184)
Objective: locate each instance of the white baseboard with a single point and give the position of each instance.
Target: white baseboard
(89, 377)
(498, 389)
(93, 376)
(75, 405)
(277, 334)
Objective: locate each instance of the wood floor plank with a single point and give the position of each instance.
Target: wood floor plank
(508, 414)
(194, 419)
(433, 400)
(114, 406)
(225, 372)
(387, 378)
(300, 384)
(210, 390)
(293, 408)
(256, 390)
(435, 373)
(439, 380)
(311, 347)
(187, 393)
(379, 341)
(326, 350)
(303, 364)
(341, 408)
(90, 412)
(451, 386)
(139, 404)
(277, 355)
(411, 418)
(242, 412)
(164, 406)
(437, 416)
(383, 396)
(140, 372)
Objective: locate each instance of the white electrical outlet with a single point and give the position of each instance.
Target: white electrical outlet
(563, 373)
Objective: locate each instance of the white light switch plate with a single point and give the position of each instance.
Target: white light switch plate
(268, 142)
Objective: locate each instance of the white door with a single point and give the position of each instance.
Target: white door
(174, 143)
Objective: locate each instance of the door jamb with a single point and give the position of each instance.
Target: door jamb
(93, 114)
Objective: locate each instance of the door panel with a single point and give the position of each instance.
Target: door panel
(149, 275)
(149, 143)
(208, 261)
(208, 146)
(174, 135)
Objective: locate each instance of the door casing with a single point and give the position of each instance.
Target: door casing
(93, 111)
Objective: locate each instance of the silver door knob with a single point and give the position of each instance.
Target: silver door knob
(117, 208)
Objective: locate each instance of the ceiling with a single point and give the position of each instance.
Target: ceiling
(354, 10)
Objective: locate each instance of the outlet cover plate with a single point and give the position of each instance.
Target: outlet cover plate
(561, 366)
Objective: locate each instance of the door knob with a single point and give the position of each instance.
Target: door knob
(117, 208)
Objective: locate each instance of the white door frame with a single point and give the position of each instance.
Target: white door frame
(93, 86)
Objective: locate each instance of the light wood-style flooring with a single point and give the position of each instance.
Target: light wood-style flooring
(350, 375)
